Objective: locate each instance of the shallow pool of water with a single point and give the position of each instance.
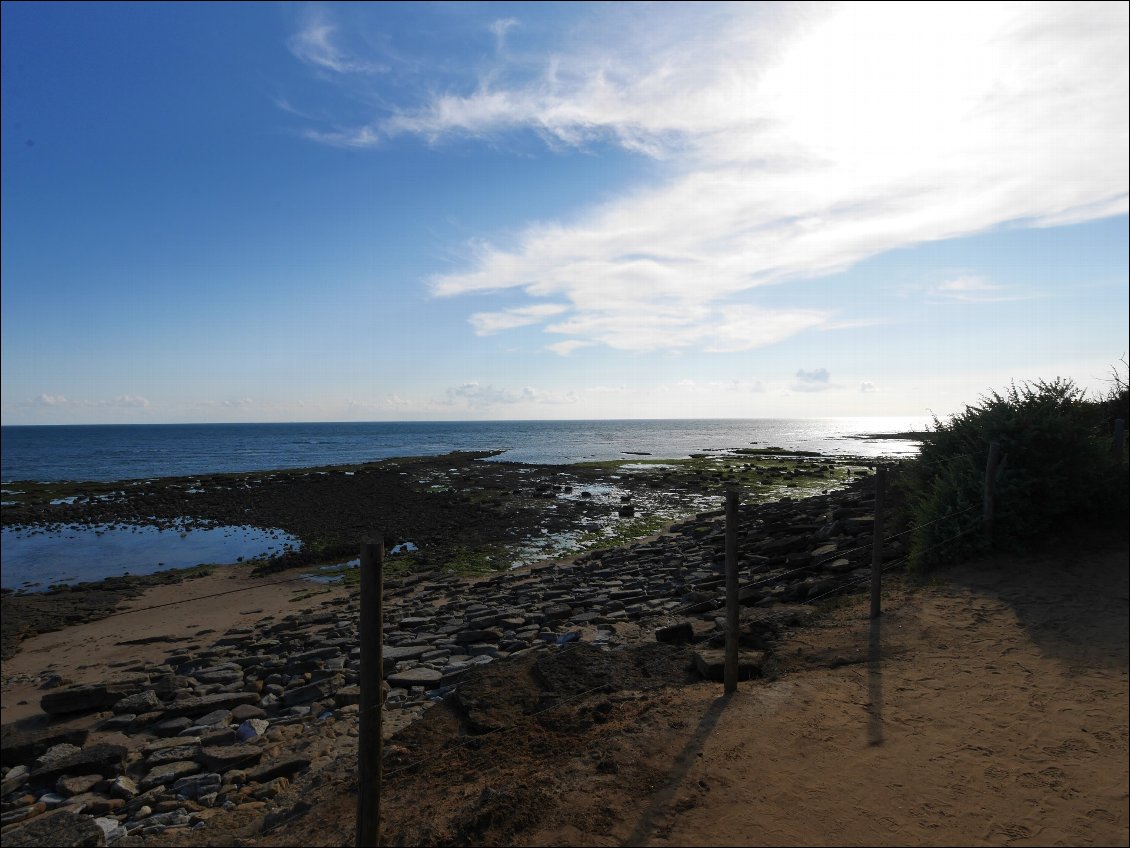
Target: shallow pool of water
(34, 559)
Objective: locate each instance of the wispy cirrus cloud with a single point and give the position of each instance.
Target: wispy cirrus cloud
(487, 323)
(316, 45)
(796, 141)
(974, 288)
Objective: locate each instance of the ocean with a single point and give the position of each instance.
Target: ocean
(146, 451)
(34, 559)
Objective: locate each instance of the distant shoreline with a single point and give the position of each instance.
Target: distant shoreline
(914, 435)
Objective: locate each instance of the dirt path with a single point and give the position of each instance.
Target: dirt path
(989, 710)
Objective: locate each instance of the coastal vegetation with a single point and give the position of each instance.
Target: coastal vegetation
(1058, 466)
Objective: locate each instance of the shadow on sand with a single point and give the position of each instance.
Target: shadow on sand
(645, 827)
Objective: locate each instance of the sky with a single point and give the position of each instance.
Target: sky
(457, 211)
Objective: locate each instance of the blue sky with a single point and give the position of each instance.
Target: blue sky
(292, 212)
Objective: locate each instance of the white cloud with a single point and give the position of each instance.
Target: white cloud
(867, 387)
(314, 44)
(568, 346)
(796, 142)
(120, 402)
(974, 288)
(816, 380)
(486, 323)
(474, 395)
(500, 27)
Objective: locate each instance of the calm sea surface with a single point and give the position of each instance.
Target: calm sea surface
(126, 452)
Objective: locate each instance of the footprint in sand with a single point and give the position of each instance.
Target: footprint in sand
(1102, 815)
(1116, 739)
(1013, 831)
(1071, 746)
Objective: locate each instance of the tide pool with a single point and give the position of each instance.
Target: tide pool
(34, 559)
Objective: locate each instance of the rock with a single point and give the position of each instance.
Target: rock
(222, 758)
(97, 805)
(124, 787)
(245, 711)
(168, 773)
(675, 634)
(304, 694)
(347, 695)
(20, 814)
(214, 718)
(205, 704)
(90, 697)
(427, 677)
(196, 785)
(22, 746)
(171, 755)
(141, 702)
(251, 728)
(172, 726)
(14, 779)
(111, 828)
(278, 768)
(62, 829)
(711, 663)
(95, 759)
(75, 785)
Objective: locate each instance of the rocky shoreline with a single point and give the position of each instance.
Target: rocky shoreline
(462, 513)
(212, 731)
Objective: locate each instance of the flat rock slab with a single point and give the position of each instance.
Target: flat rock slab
(168, 773)
(427, 677)
(404, 652)
(221, 758)
(207, 703)
(96, 759)
(61, 829)
(94, 696)
(278, 768)
(711, 663)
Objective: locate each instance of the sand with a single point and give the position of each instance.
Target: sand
(190, 614)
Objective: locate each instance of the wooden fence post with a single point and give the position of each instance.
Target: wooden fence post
(731, 667)
(372, 677)
(991, 465)
(1119, 437)
(877, 541)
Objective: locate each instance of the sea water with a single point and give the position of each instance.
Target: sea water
(145, 451)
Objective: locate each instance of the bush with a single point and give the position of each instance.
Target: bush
(1057, 467)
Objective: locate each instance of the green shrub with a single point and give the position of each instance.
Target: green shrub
(1057, 467)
